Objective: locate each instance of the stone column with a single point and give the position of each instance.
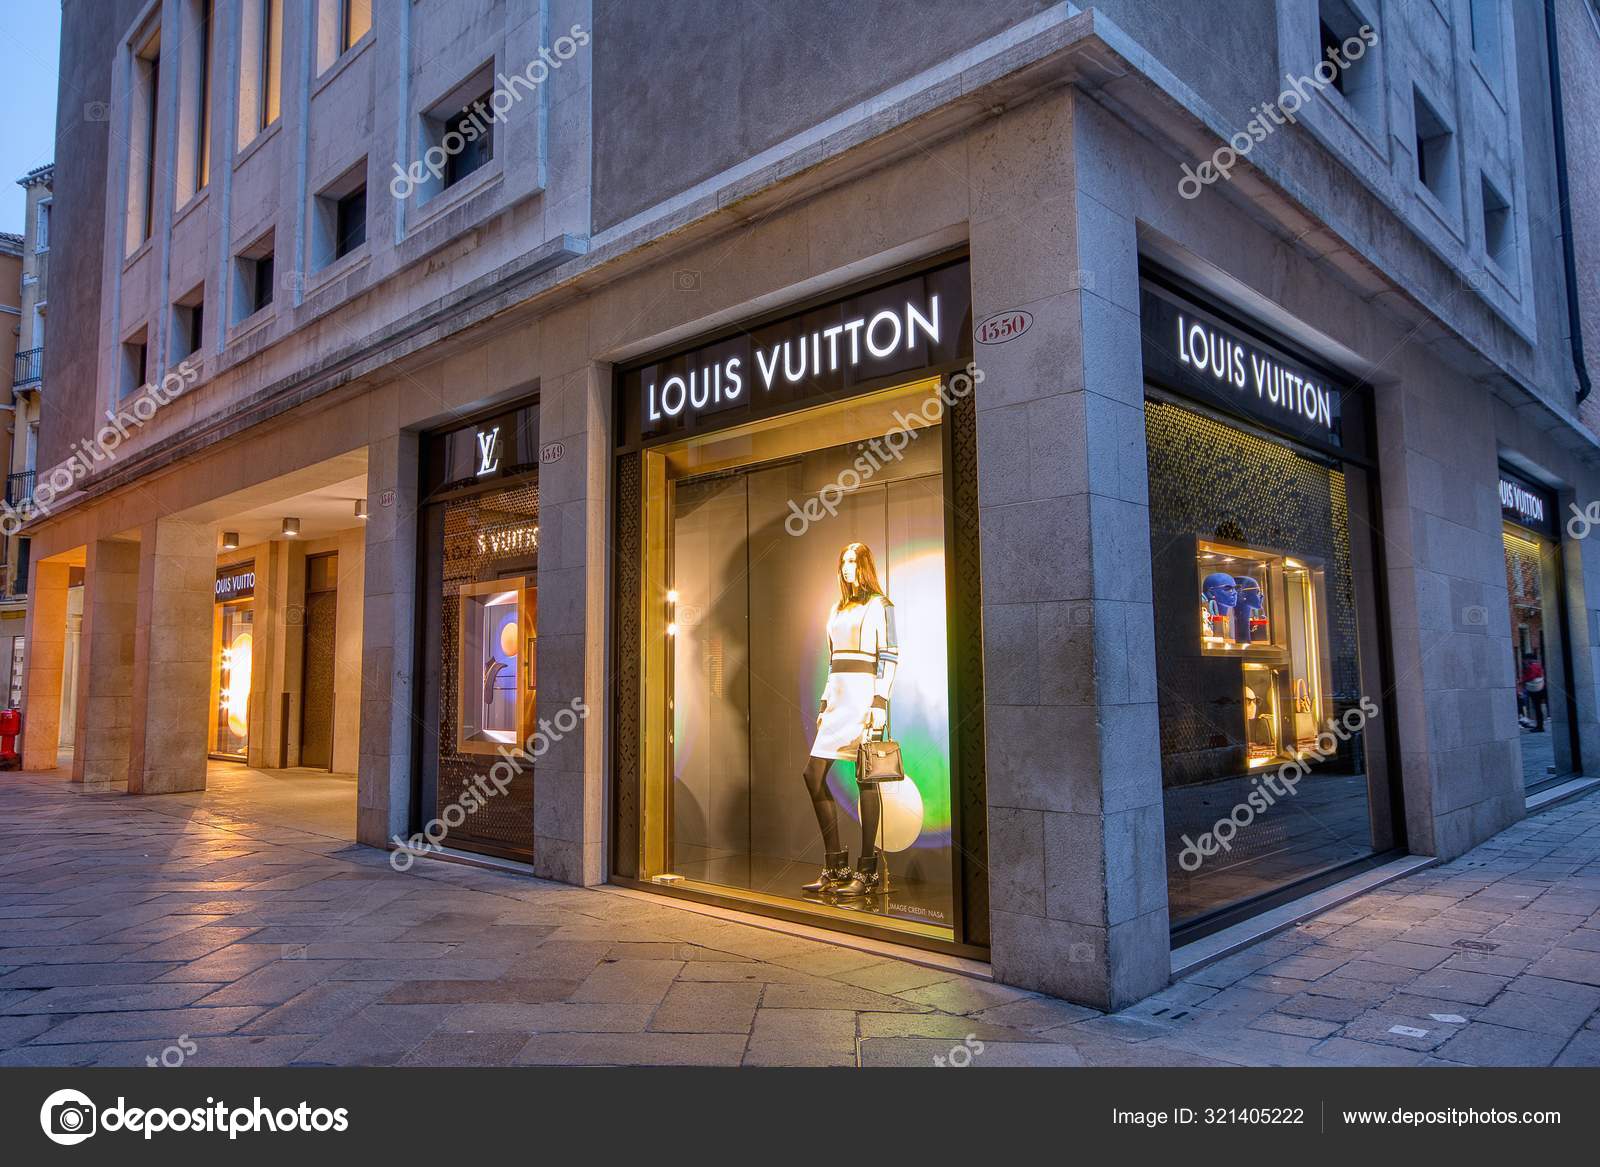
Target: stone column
(43, 654)
(569, 789)
(1076, 848)
(388, 618)
(105, 682)
(172, 657)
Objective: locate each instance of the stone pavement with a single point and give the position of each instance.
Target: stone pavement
(138, 929)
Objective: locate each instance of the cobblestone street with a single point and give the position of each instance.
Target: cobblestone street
(134, 930)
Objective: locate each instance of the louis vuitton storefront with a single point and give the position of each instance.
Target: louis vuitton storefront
(796, 575)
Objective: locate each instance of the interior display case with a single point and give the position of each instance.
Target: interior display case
(496, 654)
(1267, 609)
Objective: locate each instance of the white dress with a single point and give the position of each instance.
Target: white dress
(863, 653)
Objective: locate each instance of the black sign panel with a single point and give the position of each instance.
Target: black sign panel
(501, 446)
(821, 354)
(1526, 504)
(237, 581)
(1200, 354)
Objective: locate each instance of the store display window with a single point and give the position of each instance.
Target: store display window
(798, 612)
(1268, 676)
(1267, 610)
(495, 626)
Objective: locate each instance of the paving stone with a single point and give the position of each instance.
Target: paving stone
(963, 995)
(1322, 1008)
(1566, 964)
(466, 1049)
(1295, 1026)
(707, 1007)
(1560, 1018)
(549, 1017)
(1305, 968)
(629, 981)
(1582, 1050)
(831, 995)
(1341, 1051)
(319, 1009)
(1498, 1045)
(802, 1037)
(113, 998)
(1453, 985)
(1415, 956)
(891, 976)
(1033, 1013)
(632, 1049)
(944, 1025)
(525, 991)
(162, 1024)
(1379, 1027)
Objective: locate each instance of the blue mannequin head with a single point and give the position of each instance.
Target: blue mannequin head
(1251, 601)
(1220, 591)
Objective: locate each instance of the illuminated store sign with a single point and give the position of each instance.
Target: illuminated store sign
(826, 352)
(503, 446)
(236, 582)
(1525, 504)
(1191, 350)
(508, 539)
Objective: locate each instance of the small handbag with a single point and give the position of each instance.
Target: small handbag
(878, 761)
(1305, 722)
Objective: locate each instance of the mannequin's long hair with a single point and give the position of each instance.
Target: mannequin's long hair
(866, 585)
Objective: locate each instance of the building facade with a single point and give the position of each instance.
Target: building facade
(23, 416)
(1080, 478)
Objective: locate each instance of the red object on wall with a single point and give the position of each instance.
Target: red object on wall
(10, 730)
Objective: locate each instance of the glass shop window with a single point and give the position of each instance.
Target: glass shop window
(798, 611)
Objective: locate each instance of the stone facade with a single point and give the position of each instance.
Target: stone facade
(630, 212)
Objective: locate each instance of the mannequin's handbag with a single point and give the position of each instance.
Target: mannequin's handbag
(878, 761)
(1305, 721)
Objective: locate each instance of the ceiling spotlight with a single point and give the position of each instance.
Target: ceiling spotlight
(230, 540)
(291, 528)
(361, 508)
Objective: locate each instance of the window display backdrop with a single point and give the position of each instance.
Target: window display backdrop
(1265, 614)
(750, 662)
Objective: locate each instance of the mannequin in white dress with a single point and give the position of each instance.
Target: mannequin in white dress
(863, 654)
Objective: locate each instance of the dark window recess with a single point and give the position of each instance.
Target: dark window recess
(1332, 42)
(261, 290)
(477, 135)
(350, 222)
(197, 327)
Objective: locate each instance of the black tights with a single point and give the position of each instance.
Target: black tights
(827, 811)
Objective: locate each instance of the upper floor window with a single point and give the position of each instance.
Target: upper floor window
(1486, 44)
(339, 219)
(1349, 41)
(340, 26)
(355, 18)
(456, 136)
(41, 232)
(146, 81)
(260, 67)
(1436, 150)
(194, 64)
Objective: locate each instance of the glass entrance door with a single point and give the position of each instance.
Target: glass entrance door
(235, 654)
(1538, 652)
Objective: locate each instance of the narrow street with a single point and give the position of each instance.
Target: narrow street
(194, 930)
